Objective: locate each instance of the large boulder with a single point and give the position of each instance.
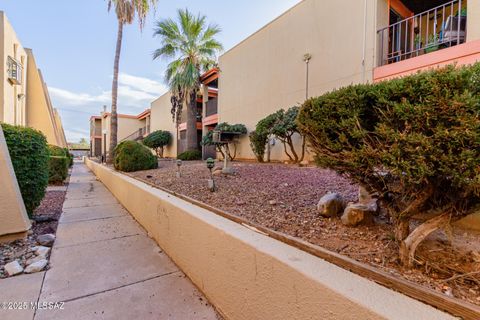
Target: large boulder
(331, 205)
(358, 213)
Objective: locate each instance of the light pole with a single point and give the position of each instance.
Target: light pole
(306, 58)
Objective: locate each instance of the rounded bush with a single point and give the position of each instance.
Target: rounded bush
(29, 153)
(132, 156)
(157, 140)
(57, 169)
(190, 155)
(56, 151)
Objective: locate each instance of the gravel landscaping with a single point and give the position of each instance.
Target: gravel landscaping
(284, 198)
(32, 253)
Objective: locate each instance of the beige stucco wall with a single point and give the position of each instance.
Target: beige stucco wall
(247, 275)
(12, 108)
(266, 71)
(60, 132)
(473, 20)
(161, 119)
(40, 112)
(126, 126)
(13, 216)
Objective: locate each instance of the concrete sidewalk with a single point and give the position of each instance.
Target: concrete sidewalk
(104, 266)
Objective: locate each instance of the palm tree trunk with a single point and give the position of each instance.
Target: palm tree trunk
(191, 134)
(114, 117)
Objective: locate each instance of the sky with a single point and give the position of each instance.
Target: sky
(74, 45)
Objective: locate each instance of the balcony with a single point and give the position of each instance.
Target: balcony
(435, 29)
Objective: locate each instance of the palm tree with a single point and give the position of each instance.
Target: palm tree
(126, 11)
(191, 47)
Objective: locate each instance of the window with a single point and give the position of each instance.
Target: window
(14, 71)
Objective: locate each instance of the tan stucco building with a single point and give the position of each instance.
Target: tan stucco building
(350, 41)
(130, 127)
(24, 97)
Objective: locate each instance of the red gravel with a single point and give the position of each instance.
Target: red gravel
(284, 197)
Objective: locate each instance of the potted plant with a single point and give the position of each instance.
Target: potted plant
(432, 44)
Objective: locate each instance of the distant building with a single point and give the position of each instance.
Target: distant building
(130, 127)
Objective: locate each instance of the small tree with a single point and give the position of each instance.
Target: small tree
(415, 141)
(282, 125)
(225, 149)
(284, 128)
(157, 141)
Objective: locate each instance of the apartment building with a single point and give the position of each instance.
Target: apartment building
(320, 45)
(24, 97)
(207, 116)
(130, 127)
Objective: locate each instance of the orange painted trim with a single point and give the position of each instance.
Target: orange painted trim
(400, 8)
(464, 54)
(183, 126)
(213, 119)
(210, 76)
(107, 114)
(144, 114)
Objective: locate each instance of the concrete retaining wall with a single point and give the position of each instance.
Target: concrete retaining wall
(247, 275)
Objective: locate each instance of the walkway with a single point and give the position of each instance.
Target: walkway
(104, 266)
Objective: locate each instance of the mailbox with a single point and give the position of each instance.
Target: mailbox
(225, 137)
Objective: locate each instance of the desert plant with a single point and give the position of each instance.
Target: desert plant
(415, 141)
(132, 156)
(190, 155)
(57, 169)
(157, 140)
(284, 128)
(282, 125)
(29, 153)
(190, 45)
(126, 11)
(258, 143)
(225, 149)
(263, 132)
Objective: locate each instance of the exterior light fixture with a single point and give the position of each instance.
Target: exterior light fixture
(179, 164)
(211, 182)
(306, 58)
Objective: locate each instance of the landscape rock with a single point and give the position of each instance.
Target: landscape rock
(229, 171)
(42, 251)
(46, 239)
(331, 205)
(34, 259)
(364, 196)
(358, 213)
(36, 266)
(13, 268)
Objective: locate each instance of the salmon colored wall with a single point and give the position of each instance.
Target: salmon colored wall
(467, 53)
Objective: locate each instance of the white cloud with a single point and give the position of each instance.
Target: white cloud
(142, 84)
(134, 95)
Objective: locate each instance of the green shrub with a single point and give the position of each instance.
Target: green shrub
(157, 140)
(57, 169)
(29, 153)
(415, 141)
(229, 149)
(190, 155)
(69, 156)
(57, 151)
(132, 156)
(258, 143)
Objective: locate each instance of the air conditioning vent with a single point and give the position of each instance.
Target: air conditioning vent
(14, 71)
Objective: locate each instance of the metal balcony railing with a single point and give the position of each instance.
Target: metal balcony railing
(438, 28)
